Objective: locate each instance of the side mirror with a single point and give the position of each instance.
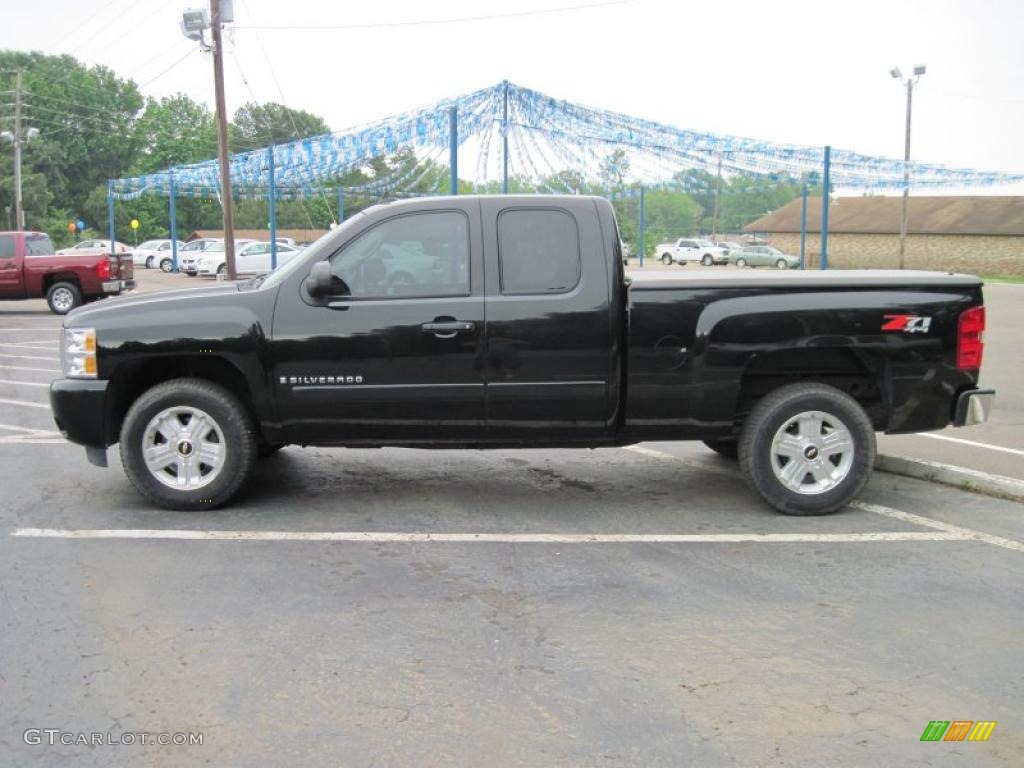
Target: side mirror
(319, 281)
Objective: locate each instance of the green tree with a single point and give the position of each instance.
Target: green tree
(260, 125)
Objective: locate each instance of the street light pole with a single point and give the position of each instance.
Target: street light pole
(909, 82)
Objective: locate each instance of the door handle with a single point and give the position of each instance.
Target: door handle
(448, 329)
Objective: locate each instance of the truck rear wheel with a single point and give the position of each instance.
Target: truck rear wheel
(666, 259)
(63, 297)
(807, 449)
(188, 444)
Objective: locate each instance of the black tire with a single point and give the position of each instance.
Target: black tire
(222, 269)
(741, 263)
(707, 261)
(781, 264)
(666, 259)
(62, 297)
(166, 264)
(226, 413)
(727, 447)
(768, 419)
(149, 262)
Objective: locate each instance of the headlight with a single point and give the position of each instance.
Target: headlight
(78, 353)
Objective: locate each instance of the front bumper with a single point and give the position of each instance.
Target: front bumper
(79, 408)
(973, 407)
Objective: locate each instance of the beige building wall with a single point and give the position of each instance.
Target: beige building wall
(976, 254)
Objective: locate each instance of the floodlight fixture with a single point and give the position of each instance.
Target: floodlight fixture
(919, 70)
(895, 72)
(193, 22)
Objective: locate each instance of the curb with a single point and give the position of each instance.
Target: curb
(968, 479)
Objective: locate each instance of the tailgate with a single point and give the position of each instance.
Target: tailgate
(126, 268)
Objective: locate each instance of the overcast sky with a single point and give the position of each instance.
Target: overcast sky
(797, 72)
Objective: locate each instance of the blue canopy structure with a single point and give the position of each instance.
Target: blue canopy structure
(510, 130)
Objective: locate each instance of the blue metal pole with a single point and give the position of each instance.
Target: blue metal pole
(504, 140)
(341, 204)
(803, 227)
(641, 225)
(272, 208)
(110, 212)
(825, 187)
(173, 191)
(453, 149)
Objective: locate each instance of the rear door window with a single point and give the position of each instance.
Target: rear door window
(6, 246)
(38, 245)
(538, 251)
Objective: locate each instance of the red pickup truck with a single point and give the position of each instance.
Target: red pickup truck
(30, 269)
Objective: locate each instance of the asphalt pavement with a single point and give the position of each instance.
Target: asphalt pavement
(633, 607)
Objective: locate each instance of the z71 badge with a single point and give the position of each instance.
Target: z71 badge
(907, 323)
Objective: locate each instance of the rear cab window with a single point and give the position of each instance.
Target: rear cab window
(538, 251)
(38, 245)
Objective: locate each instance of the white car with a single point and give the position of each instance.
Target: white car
(689, 249)
(212, 261)
(190, 253)
(94, 246)
(154, 253)
(254, 259)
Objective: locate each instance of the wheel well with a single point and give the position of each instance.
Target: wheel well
(134, 378)
(850, 371)
(60, 277)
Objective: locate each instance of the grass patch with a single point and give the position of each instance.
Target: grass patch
(1003, 279)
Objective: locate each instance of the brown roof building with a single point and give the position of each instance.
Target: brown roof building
(298, 235)
(978, 234)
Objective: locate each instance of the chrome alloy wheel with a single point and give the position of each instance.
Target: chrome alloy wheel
(63, 299)
(184, 448)
(812, 452)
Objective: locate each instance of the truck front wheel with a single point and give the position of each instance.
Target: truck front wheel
(807, 449)
(63, 297)
(188, 444)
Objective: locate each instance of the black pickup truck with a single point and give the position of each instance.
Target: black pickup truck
(508, 321)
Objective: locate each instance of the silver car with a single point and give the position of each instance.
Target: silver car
(763, 256)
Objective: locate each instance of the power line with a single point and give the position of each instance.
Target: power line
(437, 22)
(168, 69)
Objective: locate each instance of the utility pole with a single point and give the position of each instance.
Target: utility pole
(222, 139)
(19, 211)
(909, 82)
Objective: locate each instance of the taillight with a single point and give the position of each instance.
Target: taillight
(103, 269)
(969, 341)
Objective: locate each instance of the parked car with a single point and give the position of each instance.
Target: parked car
(730, 246)
(687, 250)
(763, 256)
(516, 335)
(254, 259)
(190, 252)
(93, 245)
(29, 268)
(153, 253)
(213, 261)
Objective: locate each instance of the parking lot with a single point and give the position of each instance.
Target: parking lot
(632, 607)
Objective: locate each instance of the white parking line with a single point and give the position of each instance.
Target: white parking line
(486, 538)
(30, 357)
(972, 443)
(24, 403)
(24, 383)
(963, 534)
(5, 367)
(960, 531)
